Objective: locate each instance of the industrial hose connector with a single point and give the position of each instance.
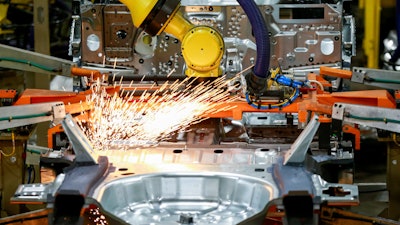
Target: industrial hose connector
(256, 85)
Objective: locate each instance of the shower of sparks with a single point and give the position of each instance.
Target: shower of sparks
(123, 120)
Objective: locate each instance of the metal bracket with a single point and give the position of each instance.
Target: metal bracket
(81, 145)
(358, 75)
(298, 149)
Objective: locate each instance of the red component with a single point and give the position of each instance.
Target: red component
(23, 155)
(306, 90)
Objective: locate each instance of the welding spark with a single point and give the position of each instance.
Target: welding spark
(124, 120)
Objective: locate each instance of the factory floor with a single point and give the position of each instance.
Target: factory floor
(370, 175)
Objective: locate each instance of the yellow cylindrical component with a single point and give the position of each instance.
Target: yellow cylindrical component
(178, 26)
(202, 46)
(202, 49)
(139, 9)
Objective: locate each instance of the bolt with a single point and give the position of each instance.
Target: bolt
(13, 159)
(121, 34)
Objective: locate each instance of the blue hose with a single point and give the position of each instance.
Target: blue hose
(281, 79)
(396, 54)
(261, 35)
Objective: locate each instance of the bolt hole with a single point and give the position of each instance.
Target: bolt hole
(127, 174)
(177, 151)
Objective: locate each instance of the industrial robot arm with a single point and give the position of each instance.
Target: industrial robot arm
(202, 46)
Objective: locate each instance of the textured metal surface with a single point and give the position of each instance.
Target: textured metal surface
(219, 184)
(302, 37)
(347, 192)
(207, 197)
(306, 35)
(31, 192)
(213, 155)
(215, 184)
(267, 119)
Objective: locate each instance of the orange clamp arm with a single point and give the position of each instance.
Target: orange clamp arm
(76, 71)
(329, 71)
(356, 132)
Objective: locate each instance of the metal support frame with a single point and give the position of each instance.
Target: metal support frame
(382, 118)
(20, 59)
(16, 116)
(376, 77)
